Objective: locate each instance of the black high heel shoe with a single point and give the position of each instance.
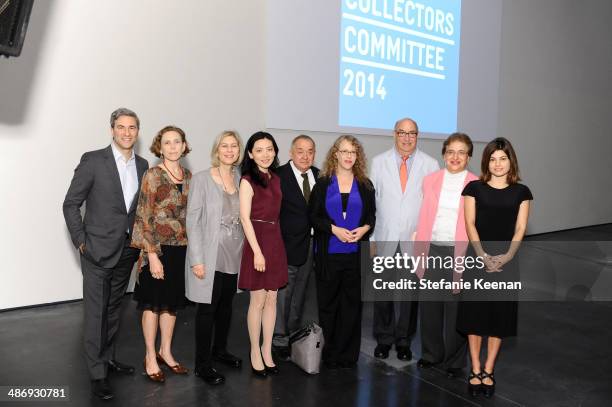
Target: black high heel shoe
(487, 389)
(271, 370)
(474, 389)
(258, 373)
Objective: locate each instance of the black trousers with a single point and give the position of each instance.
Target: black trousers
(217, 315)
(395, 322)
(339, 300)
(103, 290)
(440, 340)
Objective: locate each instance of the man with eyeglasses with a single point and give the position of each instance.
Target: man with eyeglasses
(108, 182)
(397, 175)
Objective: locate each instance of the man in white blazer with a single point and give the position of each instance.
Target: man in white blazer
(397, 175)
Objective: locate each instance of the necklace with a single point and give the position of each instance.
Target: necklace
(223, 182)
(179, 180)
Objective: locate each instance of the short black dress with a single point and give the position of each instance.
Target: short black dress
(167, 295)
(496, 214)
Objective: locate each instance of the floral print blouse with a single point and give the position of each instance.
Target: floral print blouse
(161, 212)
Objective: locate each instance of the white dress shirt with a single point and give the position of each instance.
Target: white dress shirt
(127, 175)
(445, 224)
(298, 176)
(300, 180)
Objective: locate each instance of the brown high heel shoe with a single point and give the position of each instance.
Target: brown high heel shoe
(177, 369)
(158, 377)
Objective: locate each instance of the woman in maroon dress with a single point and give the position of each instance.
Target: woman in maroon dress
(263, 269)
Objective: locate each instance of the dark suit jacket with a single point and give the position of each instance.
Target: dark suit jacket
(294, 222)
(96, 182)
(322, 222)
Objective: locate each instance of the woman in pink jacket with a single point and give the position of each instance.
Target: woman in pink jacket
(441, 233)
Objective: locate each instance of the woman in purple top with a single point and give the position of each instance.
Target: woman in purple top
(342, 210)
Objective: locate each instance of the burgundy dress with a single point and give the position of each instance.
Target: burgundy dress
(265, 208)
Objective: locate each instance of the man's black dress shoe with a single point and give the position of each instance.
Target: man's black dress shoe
(403, 353)
(101, 389)
(382, 351)
(424, 364)
(118, 367)
(282, 353)
(209, 375)
(227, 359)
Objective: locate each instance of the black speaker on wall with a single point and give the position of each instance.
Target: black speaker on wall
(14, 17)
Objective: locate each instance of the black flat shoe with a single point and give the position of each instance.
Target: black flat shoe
(209, 375)
(118, 367)
(403, 353)
(474, 389)
(101, 389)
(227, 359)
(487, 389)
(382, 351)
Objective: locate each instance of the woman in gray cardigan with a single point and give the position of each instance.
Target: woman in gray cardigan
(215, 237)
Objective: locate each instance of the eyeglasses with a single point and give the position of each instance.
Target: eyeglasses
(410, 134)
(459, 153)
(347, 153)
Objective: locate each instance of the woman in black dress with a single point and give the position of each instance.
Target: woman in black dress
(496, 213)
(159, 232)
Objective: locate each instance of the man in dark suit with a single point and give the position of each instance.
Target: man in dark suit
(298, 177)
(108, 181)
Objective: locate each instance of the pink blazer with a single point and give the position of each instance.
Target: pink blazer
(432, 185)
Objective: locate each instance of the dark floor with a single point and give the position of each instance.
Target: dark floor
(562, 357)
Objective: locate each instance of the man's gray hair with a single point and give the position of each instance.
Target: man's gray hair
(303, 137)
(406, 119)
(122, 111)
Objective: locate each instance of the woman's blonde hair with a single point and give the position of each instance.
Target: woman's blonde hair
(359, 168)
(214, 153)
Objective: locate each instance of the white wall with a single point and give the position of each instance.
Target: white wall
(199, 66)
(202, 67)
(556, 105)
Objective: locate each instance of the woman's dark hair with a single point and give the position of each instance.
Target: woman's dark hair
(249, 167)
(461, 137)
(504, 145)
